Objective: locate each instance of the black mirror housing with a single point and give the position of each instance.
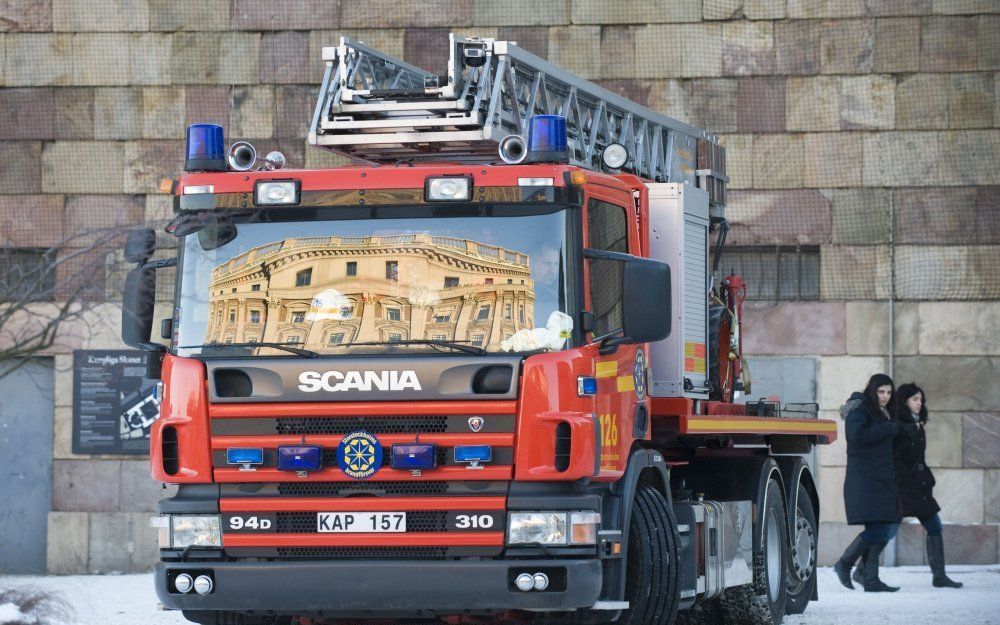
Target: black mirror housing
(138, 298)
(646, 307)
(140, 245)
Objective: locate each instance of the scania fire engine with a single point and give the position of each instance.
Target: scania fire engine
(489, 373)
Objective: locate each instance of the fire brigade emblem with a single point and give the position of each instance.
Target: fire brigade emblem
(476, 423)
(359, 455)
(639, 374)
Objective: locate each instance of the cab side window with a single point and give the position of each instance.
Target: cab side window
(607, 227)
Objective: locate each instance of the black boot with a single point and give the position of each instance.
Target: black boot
(859, 571)
(843, 566)
(872, 583)
(935, 557)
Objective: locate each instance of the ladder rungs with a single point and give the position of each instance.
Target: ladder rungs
(393, 105)
(402, 122)
(367, 139)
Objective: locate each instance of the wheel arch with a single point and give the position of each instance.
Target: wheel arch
(645, 466)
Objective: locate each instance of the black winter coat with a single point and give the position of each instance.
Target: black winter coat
(870, 486)
(914, 480)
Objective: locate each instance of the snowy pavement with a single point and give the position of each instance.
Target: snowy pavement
(130, 600)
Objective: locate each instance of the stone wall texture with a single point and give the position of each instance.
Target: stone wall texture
(868, 128)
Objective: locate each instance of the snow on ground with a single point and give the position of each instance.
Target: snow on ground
(916, 603)
(130, 600)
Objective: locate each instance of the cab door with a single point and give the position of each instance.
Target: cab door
(610, 225)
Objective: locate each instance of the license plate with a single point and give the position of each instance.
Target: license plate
(360, 522)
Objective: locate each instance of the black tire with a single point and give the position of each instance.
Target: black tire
(762, 602)
(802, 564)
(653, 563)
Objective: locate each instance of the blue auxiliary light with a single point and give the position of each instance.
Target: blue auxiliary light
(586, 386)
(245, 456)
(473, 454)
(547, 140)
(300, 458)
(414, 456)
(206, 149)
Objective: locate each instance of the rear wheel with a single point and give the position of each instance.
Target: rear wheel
(653, 561)
(762, 602)
(802, 560)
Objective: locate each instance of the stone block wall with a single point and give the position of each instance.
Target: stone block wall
(835, 114)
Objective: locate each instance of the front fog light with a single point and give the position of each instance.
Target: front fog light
(270, 193)
(203, 584)
(451, 189)
(195, 531)
(524, 582)
(546, 528)
(583, 527)
(183, 583)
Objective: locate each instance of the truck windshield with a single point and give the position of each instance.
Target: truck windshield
(376, 286)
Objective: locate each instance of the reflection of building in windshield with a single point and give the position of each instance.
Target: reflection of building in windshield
(321, 292)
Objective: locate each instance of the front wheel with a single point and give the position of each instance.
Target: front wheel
(651, 585)
(762, 602)
(802, 563)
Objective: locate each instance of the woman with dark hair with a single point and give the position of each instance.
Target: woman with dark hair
(869, 486)
(914, 480)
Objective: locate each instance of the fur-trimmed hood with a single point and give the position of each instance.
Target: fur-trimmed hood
(855, 400)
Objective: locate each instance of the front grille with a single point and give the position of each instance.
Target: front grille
(346, 425)
(305, 522)
(337, 489)
(362, 552)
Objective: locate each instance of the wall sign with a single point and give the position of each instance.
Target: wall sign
(113, 403)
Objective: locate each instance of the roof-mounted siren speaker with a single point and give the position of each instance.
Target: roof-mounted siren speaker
(242, 156)
(513, 149)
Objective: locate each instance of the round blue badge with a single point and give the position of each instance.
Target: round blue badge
(359, 455)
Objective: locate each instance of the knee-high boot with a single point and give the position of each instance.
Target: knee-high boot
(846, 561)
(872, 583)
(935, 557)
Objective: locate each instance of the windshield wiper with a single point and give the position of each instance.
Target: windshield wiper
(457, 345)
(288, 348)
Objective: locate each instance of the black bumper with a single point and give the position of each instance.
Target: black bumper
(373, 587)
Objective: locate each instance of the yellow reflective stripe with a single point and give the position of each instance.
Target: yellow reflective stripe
(606, 368)
(626, 383)
(776, 424)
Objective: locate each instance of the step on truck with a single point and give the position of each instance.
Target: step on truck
(489, 373)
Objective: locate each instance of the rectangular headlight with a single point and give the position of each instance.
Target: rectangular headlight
(448, 189)
(201, 530)
(546, 528)
(271, 193)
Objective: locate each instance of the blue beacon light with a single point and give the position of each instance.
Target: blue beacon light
(547, 140)
(206, 148)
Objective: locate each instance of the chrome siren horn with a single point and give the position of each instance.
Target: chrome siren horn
(242, 156)
(513, 149)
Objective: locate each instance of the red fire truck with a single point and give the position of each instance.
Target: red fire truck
(489, 375)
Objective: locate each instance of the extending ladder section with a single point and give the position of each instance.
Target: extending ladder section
(381, 109)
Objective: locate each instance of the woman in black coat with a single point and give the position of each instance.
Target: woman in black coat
(870, 485)
(914, 480)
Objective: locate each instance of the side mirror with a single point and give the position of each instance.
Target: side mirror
(646, 300)
(140, 245)
(137, 307)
